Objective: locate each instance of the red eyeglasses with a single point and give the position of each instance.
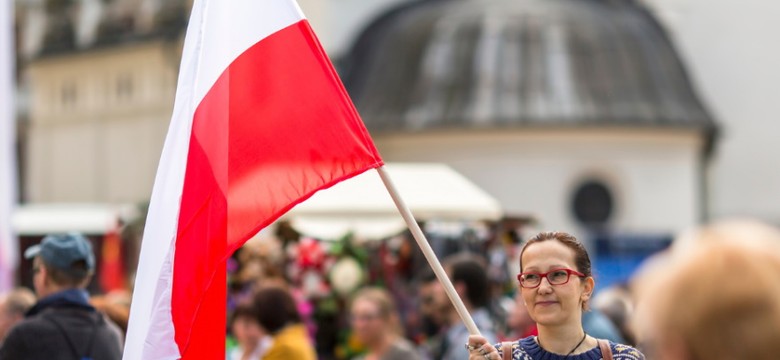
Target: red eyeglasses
(530, 280)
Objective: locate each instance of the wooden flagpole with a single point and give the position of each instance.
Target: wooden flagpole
(428, 252)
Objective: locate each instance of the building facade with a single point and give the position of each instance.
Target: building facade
(99, 106)
(98, 119)
(578, 113)
(99, 80)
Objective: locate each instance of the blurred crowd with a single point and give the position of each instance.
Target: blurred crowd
(714, 294)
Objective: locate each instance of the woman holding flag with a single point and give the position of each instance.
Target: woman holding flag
(556, 284)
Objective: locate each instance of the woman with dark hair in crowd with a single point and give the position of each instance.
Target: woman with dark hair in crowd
(278, 315)
(252, 341)
(555, 283)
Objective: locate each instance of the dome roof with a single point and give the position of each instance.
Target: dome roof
(494, 63)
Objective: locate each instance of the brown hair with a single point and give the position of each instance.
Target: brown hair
(18, 301)
(731, 297)
(77, 277)
(243, 310)
(469, 270)
(581, 258)
(275, 308)
(384, 303)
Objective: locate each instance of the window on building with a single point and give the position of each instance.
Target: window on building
(592, 203)
(124, 87)
(68, 95)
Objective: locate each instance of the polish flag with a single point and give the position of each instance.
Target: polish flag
(261, 122)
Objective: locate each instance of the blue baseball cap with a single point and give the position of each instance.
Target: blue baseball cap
(62, 250)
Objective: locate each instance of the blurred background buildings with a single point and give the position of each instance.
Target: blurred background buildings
(623, 121)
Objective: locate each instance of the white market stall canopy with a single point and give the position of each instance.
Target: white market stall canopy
(41, 219)
(362, 204)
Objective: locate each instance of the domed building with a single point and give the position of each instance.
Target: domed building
(577, 112)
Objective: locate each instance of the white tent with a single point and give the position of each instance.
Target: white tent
(93, 219)
(362, 204)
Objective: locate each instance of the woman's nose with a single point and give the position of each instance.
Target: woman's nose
(545, 286)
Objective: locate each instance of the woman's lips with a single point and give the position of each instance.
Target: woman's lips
(546, 303)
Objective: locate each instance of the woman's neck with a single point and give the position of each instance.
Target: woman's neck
(249, 346)
(562, 339)
(382, 345)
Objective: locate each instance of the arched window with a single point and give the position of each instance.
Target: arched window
(592, 203)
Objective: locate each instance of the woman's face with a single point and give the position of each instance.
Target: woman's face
(247, 332)
(552, 305)
(367, 322)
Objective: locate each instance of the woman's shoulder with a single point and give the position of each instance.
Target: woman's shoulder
(525, 348)
(291, 343)
(283, 351)
(625, 352)
(402, 349)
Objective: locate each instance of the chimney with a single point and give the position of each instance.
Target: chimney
(34, 28)
(146, 14)
(88, 19)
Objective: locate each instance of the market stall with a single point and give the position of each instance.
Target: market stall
(362, 205)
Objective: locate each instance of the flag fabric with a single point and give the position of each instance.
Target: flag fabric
(9, 252)
(261, 121)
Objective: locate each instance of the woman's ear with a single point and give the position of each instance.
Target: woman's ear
(588, 285)
(44, 274)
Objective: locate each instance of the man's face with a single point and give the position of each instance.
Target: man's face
(39, 278)
(368, 322)
(434, 303)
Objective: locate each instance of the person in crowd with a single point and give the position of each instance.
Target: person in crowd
(519, 322)
(62, 324)
(469, 277)
(556, 284)
(252, 340)
(115, 305)
(617, 304)
(13, 306)
(598, 325)
(277, 314)
(375, 322)
(715, 297)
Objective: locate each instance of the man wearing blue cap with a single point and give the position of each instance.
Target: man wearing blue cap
(62, 324)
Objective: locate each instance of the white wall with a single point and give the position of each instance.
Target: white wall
(105, 146)
(654, 176)
(732, 51)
